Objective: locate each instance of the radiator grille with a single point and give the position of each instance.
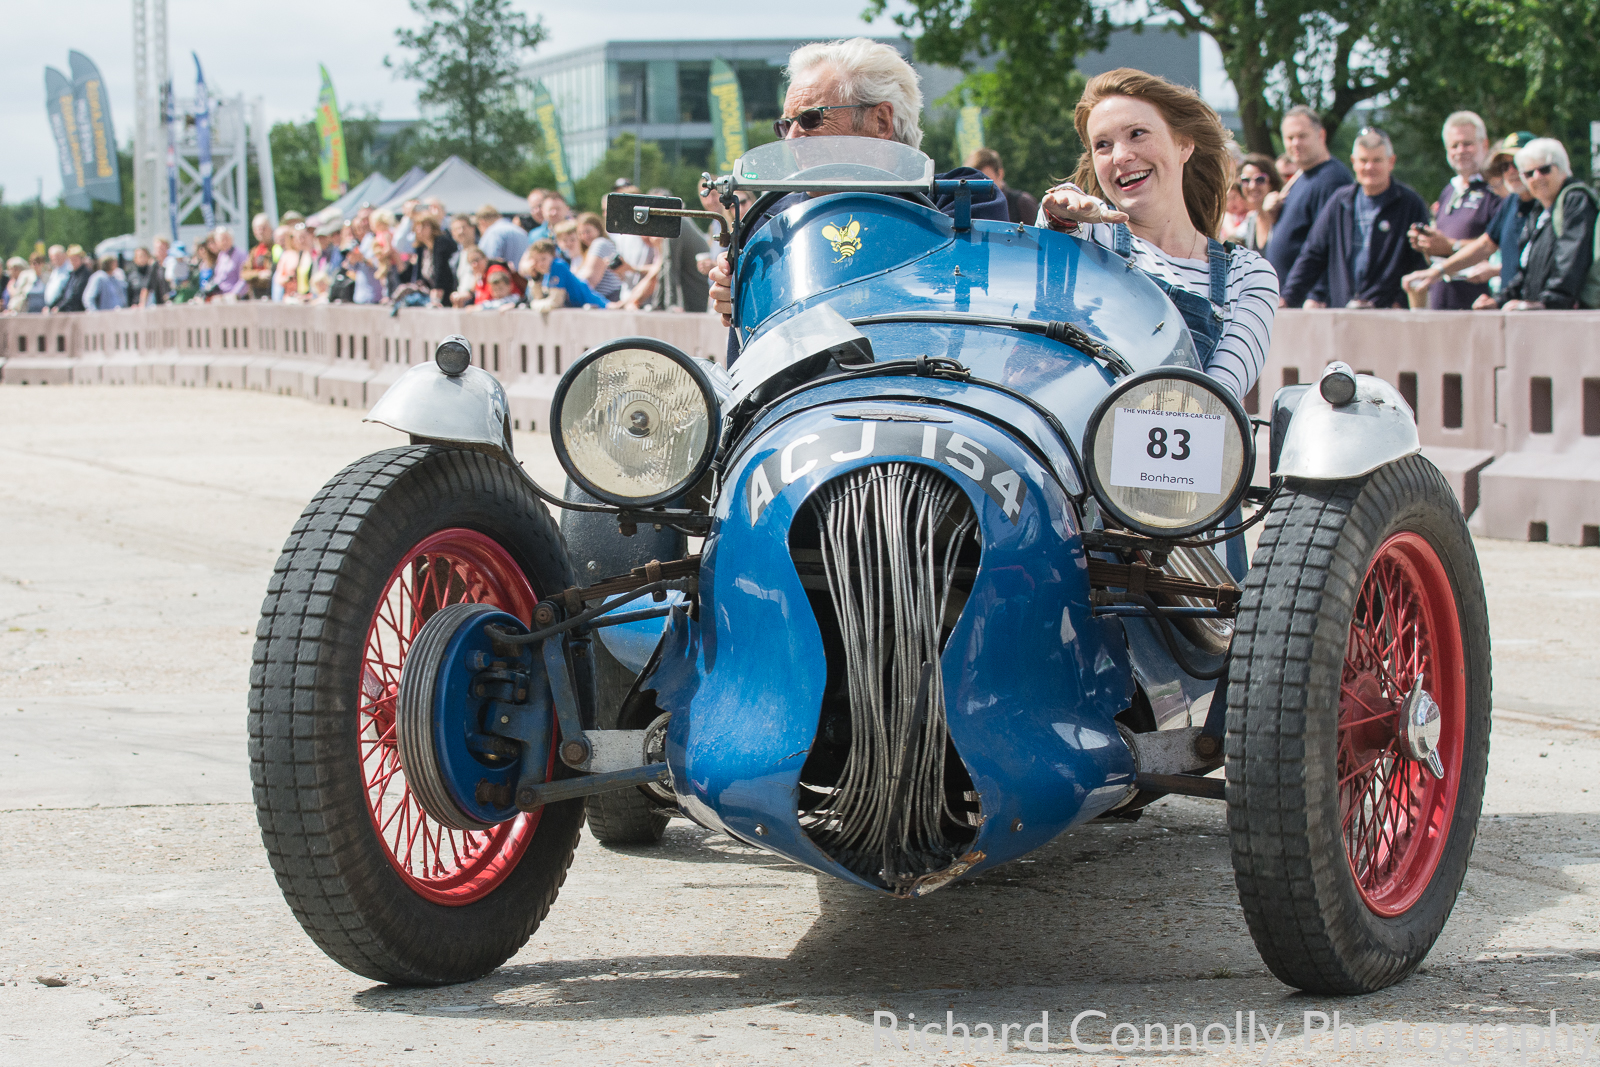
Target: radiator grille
(895, 550)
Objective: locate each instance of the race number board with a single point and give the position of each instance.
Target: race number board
(1175, 450)
(1168, 452)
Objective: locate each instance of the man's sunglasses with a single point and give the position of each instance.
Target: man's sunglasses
(809, 119)
(1541, 171)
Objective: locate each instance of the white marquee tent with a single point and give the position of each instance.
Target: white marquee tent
(463, 188)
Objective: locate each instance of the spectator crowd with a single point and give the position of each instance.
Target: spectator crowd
(421, 257)
(1513, 229)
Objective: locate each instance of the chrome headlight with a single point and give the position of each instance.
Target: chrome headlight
(1169, 452)
(635, 421)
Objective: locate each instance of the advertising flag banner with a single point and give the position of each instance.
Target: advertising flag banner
(169, 117)
(544, 113)
(202, 136)
(59, 105)
(331, 159)
(969, 132)
(102, 178)
(727, 118)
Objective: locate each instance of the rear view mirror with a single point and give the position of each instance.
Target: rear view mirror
(635, 214)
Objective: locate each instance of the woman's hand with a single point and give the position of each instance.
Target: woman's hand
(1485, 302)
(1479, 274)
(722, 289)
(1066, 207)
(1523, 305)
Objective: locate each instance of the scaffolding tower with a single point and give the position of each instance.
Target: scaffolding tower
(236, 128)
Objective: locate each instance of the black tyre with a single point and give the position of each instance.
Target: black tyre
(629, 816)
(1348, 850)
(381, 888)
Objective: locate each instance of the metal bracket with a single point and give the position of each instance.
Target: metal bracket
(1186, 750)
(530, 797)
(1139, 579)
(963, 189)
(1176, 761)
(574, 751)
(614, 750)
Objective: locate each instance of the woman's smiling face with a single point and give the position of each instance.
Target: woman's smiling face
(1137, 158)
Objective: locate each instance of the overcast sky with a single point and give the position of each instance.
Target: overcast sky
(272, 50)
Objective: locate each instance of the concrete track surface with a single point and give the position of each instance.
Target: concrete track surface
(137, 530)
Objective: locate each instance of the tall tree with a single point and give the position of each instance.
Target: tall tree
(295, 146)
(467, 59)
(1331, 54)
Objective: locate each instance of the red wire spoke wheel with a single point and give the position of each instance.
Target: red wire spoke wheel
(381, 887)
(1358, 727)
(1394, 812)
(443, 864)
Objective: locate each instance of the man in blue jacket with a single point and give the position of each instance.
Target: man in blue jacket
(1305, 141)
(1358, 250)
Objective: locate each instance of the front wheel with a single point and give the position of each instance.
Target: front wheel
(1358, 727)
(379, 885)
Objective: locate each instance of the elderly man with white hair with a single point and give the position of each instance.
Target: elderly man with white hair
(853, 88)
(1464, 209)
(1558, 240)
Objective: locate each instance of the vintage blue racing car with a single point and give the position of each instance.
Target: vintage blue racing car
(968, 523)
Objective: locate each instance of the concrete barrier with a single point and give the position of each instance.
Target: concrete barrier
(334, 354)
(1442, 362)
(1546, 485)
(1507, 405)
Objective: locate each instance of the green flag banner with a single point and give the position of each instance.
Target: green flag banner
(331, 159)
(969, 132)
(727, 118)
(555, 152)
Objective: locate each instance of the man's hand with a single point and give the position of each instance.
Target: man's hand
(1066, 209)
(1479, 274)
(1357, 304)
(1420, 281)
(1524, 305)
(1317, 305)
(1430, 242)
(722, 289)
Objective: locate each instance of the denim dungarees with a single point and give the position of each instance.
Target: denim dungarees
(1205, 322)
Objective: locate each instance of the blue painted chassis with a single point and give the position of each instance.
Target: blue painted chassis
(1032, 679)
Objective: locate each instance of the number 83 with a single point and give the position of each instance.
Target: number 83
(1157, 448)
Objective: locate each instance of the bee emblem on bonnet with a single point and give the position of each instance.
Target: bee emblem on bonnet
(846, 242)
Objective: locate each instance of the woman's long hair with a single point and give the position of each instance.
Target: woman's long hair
(1209, 171)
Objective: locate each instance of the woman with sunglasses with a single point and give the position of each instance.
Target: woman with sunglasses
(1257, 177)
(1151, 185)
(1558, 240)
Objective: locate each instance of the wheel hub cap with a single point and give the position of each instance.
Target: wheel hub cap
(1421, 724)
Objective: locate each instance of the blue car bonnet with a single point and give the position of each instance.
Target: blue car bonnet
(1031, 680)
